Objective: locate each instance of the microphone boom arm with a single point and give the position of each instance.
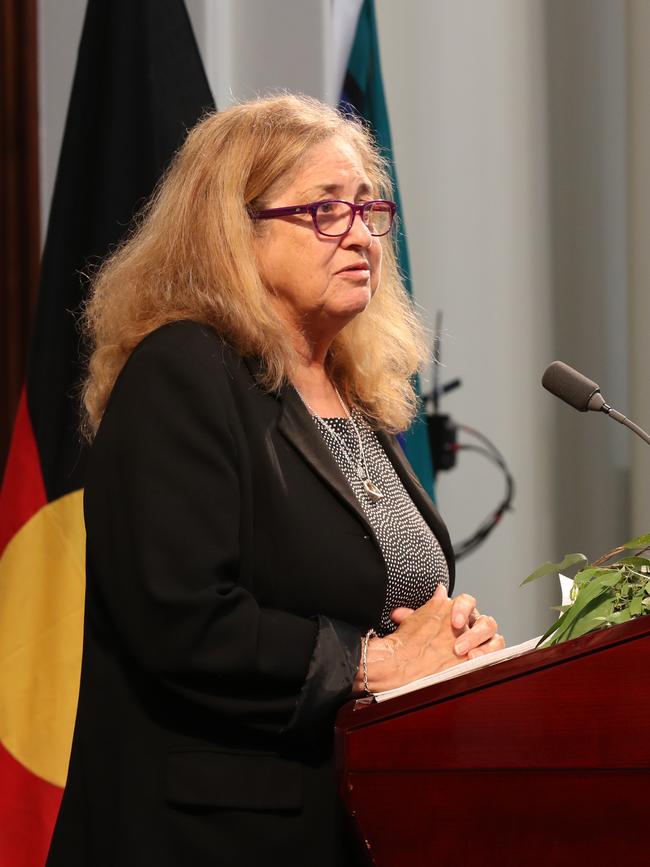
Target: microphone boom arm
(623, 419)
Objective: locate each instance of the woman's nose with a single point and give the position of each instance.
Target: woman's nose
(359, 234)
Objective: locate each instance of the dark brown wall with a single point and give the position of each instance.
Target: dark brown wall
(19, 200)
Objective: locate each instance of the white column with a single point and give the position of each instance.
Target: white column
(587, 91)
(252, 48)
(59, 32)
(638, 35)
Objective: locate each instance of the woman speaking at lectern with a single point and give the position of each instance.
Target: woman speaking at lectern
(259, 550)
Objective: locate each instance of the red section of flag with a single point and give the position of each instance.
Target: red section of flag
(23, 491)
(29, 807)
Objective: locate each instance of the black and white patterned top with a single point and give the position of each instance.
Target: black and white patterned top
(414, 559)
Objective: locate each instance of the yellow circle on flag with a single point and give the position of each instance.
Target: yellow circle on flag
(42, 582)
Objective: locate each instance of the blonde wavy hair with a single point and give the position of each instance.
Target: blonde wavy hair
(191, 255)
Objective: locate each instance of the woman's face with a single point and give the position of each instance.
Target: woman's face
(316, 281)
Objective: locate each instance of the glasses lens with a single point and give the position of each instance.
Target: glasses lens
(379, 218)
(333, 218)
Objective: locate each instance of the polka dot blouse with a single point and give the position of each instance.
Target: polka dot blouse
(415, 563)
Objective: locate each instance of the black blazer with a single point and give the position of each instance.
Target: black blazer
(230, 576)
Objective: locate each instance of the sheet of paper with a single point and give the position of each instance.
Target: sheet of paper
(566, 585)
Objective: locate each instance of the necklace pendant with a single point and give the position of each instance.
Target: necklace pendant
(372, 490)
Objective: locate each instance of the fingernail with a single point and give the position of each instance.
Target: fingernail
(459, 620)
(461, 648)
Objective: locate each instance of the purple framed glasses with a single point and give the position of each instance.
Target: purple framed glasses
(334, 218)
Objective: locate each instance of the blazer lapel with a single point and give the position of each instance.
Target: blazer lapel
(297, 425)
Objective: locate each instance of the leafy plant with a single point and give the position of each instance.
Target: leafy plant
(604, 593)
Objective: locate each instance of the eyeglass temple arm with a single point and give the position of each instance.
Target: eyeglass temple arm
(268, 213)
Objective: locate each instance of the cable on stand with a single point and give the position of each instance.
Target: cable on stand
(444, 444)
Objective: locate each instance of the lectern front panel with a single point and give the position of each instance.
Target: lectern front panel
(543, 759)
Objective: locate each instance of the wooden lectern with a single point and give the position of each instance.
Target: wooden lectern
(539, 760)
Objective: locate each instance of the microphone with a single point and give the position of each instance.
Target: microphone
(583, 394)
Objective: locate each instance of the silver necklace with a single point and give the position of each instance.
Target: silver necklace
(360, 467)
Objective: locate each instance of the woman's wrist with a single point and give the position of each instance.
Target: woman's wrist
(364, 659)
(361, 685)
(379, 665)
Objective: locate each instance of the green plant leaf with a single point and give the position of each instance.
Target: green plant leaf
(549, 568)
(620, 616)
(636, 579)
(600, 605)
(599, 586)
(549, 636)
(585, 576)
(599, 576)
(639, 542)
(593, 617)
(634, 561)
(561, 629)
(636, 606)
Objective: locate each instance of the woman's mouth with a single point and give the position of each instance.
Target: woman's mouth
(358, 270)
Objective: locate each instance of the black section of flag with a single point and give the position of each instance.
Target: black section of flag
(353, 98)
(138, 86)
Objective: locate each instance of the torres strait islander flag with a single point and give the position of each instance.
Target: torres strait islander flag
(139, 85)
(363, 95)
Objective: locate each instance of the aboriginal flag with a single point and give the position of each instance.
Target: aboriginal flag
(139, 85)
(363, 96)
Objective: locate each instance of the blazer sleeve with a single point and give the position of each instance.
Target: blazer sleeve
(163, 507)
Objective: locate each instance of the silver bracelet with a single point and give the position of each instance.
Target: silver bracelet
(364, 660)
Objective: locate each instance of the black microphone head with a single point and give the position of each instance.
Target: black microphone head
(572, 387)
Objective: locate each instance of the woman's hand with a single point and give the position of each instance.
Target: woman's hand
(422, 644)
(478, 631)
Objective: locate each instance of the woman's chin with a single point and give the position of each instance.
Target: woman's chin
(355, 301)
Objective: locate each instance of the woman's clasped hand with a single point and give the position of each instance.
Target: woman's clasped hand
(438, 635)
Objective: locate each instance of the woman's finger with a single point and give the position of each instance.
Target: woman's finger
(399, 615)
(482, 630)
(462, 610)
(497, 642)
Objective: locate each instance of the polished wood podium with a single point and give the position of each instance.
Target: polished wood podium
(539, 760)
